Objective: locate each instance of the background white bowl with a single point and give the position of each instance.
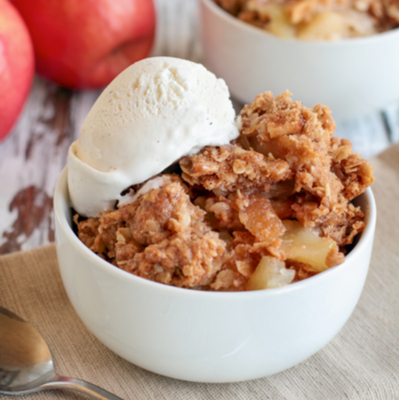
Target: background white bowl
(352, 77)
(208, 336)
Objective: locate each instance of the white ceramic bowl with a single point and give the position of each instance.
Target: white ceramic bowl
(352, 77)
(208, 336)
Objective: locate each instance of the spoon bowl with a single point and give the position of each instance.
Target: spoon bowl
(26, 365)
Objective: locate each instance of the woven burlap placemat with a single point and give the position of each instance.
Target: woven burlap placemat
(361, 362)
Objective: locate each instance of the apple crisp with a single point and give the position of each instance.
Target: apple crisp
(271, 208)
(317, 19)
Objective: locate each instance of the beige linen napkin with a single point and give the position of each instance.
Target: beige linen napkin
(361, 362)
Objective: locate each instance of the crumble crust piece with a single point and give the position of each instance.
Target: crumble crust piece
(317, 19)
(210, 227)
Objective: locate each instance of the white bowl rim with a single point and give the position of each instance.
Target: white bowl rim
(317, 43)
(370, 219)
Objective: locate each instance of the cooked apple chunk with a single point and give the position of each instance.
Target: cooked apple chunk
(270, 273)
(300, 243)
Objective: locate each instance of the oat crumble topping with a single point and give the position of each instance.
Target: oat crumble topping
(280, 193)
(317, 19)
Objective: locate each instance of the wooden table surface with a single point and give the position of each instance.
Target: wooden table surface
(32, 157)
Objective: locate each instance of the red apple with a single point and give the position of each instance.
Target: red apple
(87, 43)
(16, 66)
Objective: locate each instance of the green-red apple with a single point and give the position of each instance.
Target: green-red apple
(16, 66)
(87, 43)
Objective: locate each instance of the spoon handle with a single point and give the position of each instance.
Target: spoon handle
(62, 382)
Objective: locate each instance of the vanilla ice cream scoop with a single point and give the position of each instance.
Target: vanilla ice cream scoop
(152, 114)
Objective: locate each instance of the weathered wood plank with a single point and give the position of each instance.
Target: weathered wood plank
(178, 30)
(30, 162)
